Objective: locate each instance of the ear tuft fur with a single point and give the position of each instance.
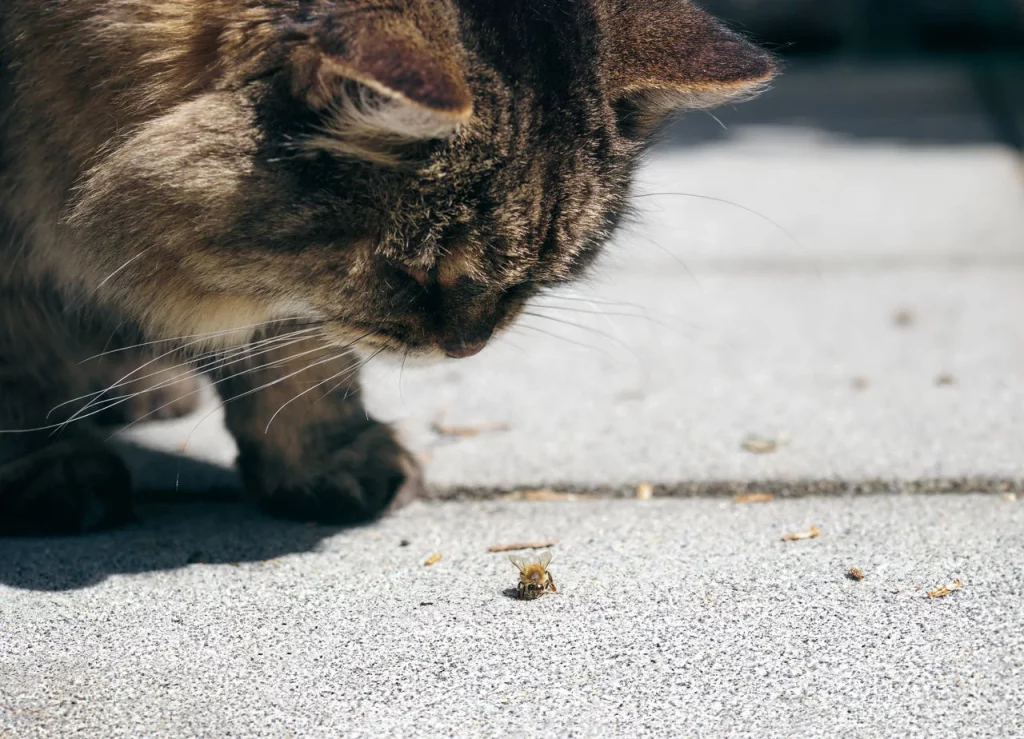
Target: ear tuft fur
(381, 83)
(663, 55)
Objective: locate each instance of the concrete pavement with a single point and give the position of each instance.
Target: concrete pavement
(677, 618)
(852, 294)
(856, 304)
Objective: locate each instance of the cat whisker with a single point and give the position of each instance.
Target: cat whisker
(97, 397)
(670, 320)
(206, 335)
(344, 374)
(724, 201)
(603, 314)
(582, 327)
(673, 255)
(561, 295)
(250, 370)
(195, 364)
(348, 372)
(562, 338)
(113, 274)
(101, 405)
(151, 362)
(344, 351)
(717, 120)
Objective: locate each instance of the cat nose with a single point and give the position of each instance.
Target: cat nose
(464, 349)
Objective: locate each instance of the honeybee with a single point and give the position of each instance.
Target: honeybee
(534, 578)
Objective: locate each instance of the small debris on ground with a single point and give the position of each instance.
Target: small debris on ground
(464, 431)
(542, 494)
(427, 603)
(860, 383)
(855, 573)
(944, 590)
(760, 444)
(945, 379)
(433, 559)
(404, 543)
(754, 498)
(812, 533)
(904, 318)
(1011, 497)
(522, 545)
(644, 491)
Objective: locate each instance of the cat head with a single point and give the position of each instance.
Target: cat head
(407, 173)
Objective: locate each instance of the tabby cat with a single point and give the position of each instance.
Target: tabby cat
(270, 191)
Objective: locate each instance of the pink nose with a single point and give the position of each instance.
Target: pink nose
(461, 351)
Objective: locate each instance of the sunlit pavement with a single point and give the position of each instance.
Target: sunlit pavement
(837, 316)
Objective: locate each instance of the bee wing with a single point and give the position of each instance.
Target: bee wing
(544, 559)
(518, 562)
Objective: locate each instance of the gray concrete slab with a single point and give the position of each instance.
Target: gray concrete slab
(748, 302)
(777, 357)
(686, 618)
(709, 321)
(670, 397)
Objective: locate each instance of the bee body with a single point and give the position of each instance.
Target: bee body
(534, 578)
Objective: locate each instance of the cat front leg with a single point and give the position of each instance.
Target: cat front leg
(307, 448)
(53, 479)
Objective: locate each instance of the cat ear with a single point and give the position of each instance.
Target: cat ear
(382, 79)
(668, 54)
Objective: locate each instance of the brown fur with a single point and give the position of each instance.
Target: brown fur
(396, 176)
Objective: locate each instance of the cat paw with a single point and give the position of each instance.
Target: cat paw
(353, 480)
(69, 487)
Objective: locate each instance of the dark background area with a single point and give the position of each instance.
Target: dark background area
(878, 27)
(921, 72)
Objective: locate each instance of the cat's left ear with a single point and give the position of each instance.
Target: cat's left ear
(380, 78)
(663, 55)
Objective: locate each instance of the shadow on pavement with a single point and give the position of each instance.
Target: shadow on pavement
(173, 531)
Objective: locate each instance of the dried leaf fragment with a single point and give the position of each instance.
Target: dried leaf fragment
(522, 545)
(943, 590)
(754, 498)
(644, 491)
(760, 444)
(812, 533)
(945, 379)
(433, 559)
(904, 318)
(543, 494)
(860, 383)
(855, 573)
(464, 431)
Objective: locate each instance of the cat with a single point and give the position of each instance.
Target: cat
(271, 191)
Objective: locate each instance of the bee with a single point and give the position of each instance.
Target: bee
(534, 578)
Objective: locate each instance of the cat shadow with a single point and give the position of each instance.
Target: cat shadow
(173, 530)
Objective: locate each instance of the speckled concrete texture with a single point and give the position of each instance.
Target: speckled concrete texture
(677, 618)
